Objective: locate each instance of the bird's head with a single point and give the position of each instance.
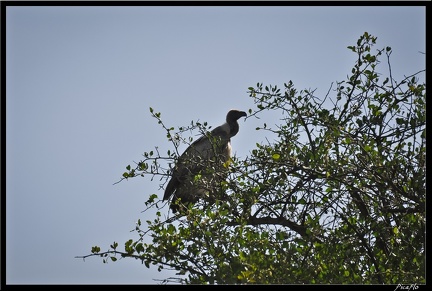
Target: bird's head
(234, 115)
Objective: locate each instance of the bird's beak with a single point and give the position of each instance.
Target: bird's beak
(243, 114)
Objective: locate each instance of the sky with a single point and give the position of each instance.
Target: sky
(79, 84)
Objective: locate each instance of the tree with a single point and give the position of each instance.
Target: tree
(338, 197)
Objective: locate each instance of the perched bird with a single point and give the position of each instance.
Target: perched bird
(203, 165)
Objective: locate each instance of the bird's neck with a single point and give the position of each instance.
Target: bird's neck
(233, 127)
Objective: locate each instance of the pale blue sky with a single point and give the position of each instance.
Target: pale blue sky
(80, 81)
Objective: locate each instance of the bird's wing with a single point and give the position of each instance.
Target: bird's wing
(185, 167)
(189, 163)
(171, 186)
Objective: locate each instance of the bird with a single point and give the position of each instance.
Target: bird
(203, 165)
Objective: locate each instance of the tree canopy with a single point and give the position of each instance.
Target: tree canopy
(337, 197)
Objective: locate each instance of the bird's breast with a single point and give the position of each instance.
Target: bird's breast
(228, 149)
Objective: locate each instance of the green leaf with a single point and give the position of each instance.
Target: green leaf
(302, 201)
(367, 148)
(95, 250)
(276, 157)
(346, 273)
(139, 248)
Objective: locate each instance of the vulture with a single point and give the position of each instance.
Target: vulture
(203, 165)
